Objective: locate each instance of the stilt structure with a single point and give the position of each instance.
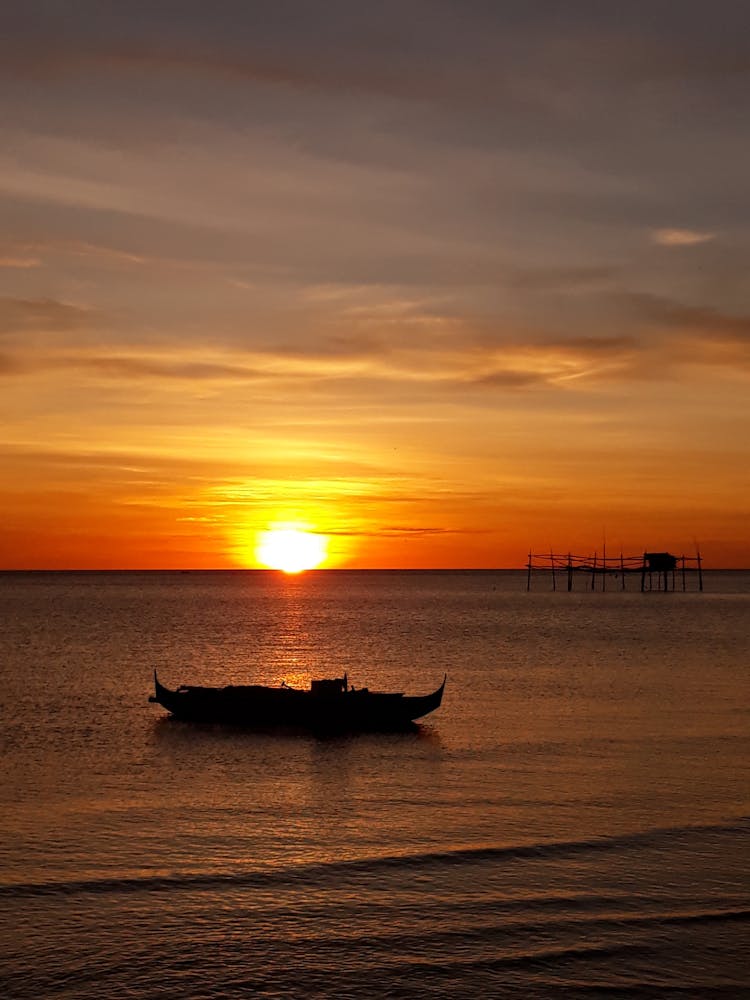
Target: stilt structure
(658, 570)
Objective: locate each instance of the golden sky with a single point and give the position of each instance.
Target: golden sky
(443, 281)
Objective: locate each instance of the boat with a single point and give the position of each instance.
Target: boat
(327, 704)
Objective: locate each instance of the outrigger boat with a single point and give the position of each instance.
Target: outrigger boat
(328, 704)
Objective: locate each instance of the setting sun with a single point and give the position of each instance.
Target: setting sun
(291, 550)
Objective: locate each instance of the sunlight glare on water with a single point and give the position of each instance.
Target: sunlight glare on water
(574, 816)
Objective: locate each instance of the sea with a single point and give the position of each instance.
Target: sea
(572, 822)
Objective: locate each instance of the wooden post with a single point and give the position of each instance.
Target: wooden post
(552, 563)
(643, 573)
(528, 576)
(622, 569)
(700, 569)
(593, 573)
(683, 575)
(570, 573)
(604, 567)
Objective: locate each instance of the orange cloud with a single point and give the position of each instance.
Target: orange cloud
(681, 237)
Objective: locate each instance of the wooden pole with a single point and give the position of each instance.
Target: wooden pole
(700, 569)
(684, 588)
(570, 573)
(593, 573)
(552, 563)
(528, 575)
(643, 573)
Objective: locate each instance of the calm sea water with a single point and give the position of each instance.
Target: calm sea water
(572, 822)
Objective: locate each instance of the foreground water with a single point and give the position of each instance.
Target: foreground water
(573, 821)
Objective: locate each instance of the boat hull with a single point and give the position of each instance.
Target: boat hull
(261, 707)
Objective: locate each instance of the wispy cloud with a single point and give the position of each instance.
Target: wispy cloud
(581, 278)
(18, 316)
(20, 263)
(402, 531)
(413, 47)
(9, 365)
(328, 244)
(681, 237)
(703, 319)
(665, 333)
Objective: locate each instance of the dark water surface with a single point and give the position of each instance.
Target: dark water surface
(572, 822)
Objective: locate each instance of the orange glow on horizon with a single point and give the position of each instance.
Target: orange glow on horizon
(209, 332)
(91, 530)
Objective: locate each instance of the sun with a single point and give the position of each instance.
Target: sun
(290, 549)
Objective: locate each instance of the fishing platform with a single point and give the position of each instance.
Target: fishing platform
(660, 571)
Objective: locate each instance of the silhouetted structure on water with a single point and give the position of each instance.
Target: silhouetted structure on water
(657, 570)
(329, 704)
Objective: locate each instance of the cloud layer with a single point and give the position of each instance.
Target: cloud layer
(404, 255)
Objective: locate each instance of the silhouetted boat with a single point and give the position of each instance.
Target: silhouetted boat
(328, 704)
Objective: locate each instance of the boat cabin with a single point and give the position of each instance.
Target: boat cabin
(329, 687)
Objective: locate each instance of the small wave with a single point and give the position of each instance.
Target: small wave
(316, 871)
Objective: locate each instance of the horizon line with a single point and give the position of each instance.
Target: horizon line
(319, 569)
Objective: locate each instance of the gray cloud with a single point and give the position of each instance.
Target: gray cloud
(593, 346)
(673, 334)
(467, 51)
(399, 531)
(511, 158)
(9, 365)
(700, 319)
(510, 379)
(18, 316)
(133, 367)
(130, 368)
(543, 279)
